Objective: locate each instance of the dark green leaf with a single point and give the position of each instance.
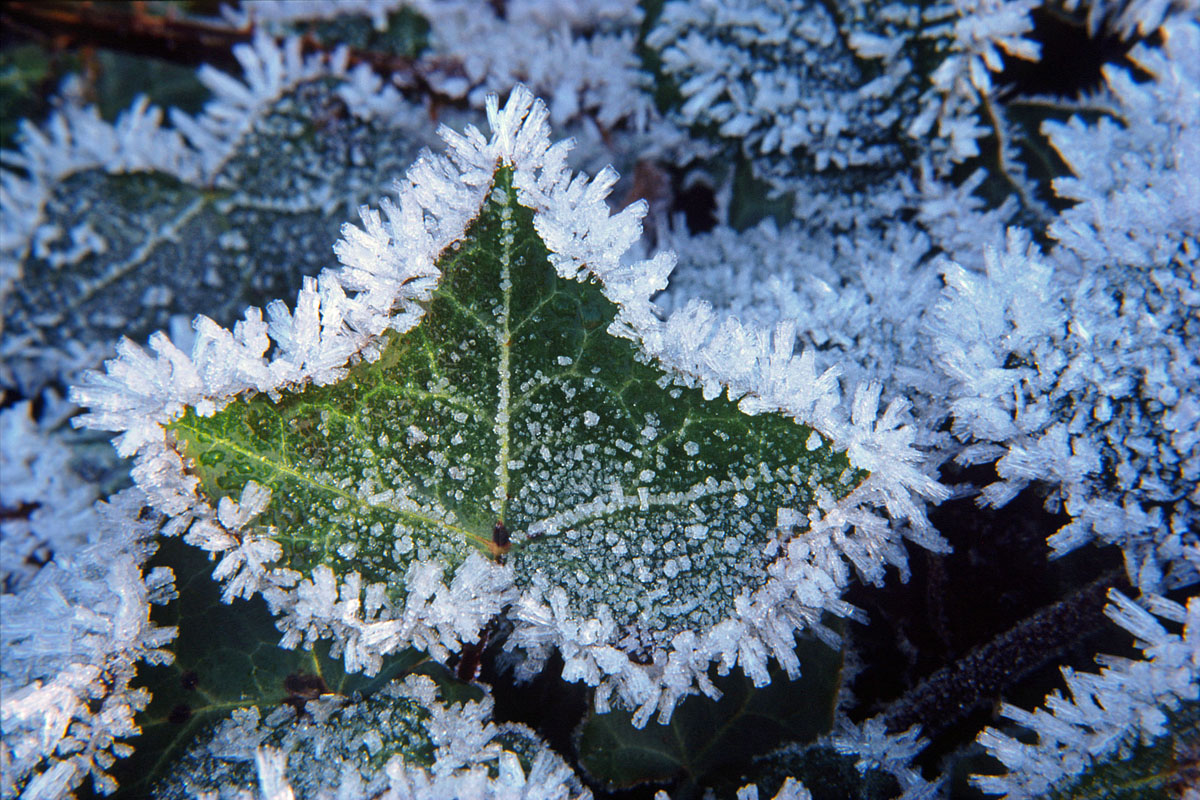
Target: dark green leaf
(511, 404)
(226, 657)
(708, 741)
(406, 33)
(827, 774)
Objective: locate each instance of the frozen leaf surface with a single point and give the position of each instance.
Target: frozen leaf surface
(404, 737)
(70, 646)
(225, 656)
(485, 380)
(512, 407)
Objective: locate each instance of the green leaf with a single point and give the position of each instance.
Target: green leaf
(121, 77)
(512, 405)
(322, 744)
(406, 33)
(826, 773)
(710, 742)
(25, 71)
(226, 657)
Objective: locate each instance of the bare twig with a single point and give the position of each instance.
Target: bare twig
(981, 676)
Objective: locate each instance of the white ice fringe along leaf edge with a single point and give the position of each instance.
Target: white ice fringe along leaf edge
(389, 269)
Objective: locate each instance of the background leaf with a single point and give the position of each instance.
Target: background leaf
(122, 254)
(227, 657)
(708, 743)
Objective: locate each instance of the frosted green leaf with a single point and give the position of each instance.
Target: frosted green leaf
(227, 657)
(481, 411)
(335, 740)
(829, 774)
(511, 405)
(405, 34)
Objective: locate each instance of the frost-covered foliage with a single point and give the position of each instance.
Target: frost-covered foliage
(1078, 367)
(1129, 702)
(404, 742)
(1129, 16)
(585, 59)
(391, 268)
(523, 416)
(806, 87)
(851, 305)
(50, 507)
(863, 759)
(270, 168)
(72, 639)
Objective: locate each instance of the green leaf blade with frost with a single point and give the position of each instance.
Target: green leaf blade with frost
(226, 657)
(511, 404)
(406, 740)
(485, 368)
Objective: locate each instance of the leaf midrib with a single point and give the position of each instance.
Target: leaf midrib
(503, 420)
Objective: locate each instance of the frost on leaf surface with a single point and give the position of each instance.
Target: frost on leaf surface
(404, 741)
(511, 404)
(72, 641)
(485, 375)
(841, 95)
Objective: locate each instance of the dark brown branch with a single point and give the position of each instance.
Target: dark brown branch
(982, 676)
(129, 28)
(22, 511)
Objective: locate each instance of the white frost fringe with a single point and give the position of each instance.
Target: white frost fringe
(268, 70)
(389, 270)
(875, 750)
(1108, 713)
(889, 752)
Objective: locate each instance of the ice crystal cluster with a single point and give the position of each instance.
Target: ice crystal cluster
(1130, 702)
(1078, 366)
(435, 390)
(73, 637)
(402, 743)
